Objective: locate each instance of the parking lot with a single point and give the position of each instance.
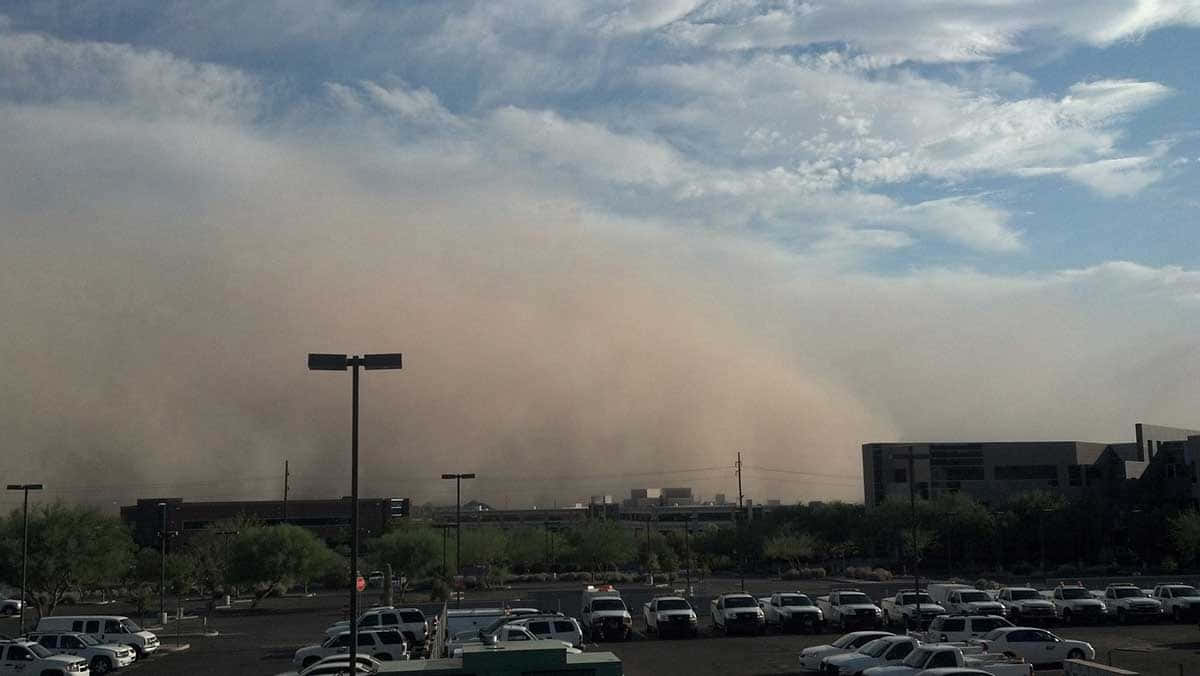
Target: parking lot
(262, 641)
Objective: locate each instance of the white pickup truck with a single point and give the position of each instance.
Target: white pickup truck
(736, 612)
(604, 615)
(1025, 605)
(788, 610)
(101, 657)
(1180, 601)
(1074, 603)
(19, 657)
(670, 615)
(850, 607)
(811, 657)
(1126, 603)
(912, 609)
(880, 652)
(935, 655)
(963, 599)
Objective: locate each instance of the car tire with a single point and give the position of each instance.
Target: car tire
(311, 660)
(138, 653)
(100, 665)
(1075, 654)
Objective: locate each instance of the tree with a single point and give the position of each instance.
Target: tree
(600, 545)
(273, 556)
(792, 548)
(209, 552)
(412, 551)
(70, 547)
(1184, 530)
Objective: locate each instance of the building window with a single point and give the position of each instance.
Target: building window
(1027, 473)
(900, 476)
(1074, 475)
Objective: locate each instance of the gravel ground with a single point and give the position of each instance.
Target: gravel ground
(261, 642)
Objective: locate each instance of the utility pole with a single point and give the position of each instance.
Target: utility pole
(741, 519)
(286, 474)
(24, 549)
(912, 503)
(162, 580)
(458, 477)
(739, 474)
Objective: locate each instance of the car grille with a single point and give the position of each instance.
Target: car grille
(746, 617)
(864, 612)
(679, 619)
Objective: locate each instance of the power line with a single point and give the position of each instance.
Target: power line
(793, 471)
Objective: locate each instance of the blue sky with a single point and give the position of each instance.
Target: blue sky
(991, 205)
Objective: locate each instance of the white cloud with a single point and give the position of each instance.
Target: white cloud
(1117, 177)
(968, 221)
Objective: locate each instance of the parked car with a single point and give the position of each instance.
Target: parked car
(954, 671)
(1074, 603)
(339, 664)
(810, 658)
(1025, 605)
(1180, 601)
(1036, 646)
(1126, 602)
(670, 615)
(105, 629)
(940, 655)
(963, 599)
(844, 608)
(557, 627)
(604, 614)
(21, 657)
(509, 633)
(955, 628)
(736, 612)
(382, 644)
(102, 657)
(788, 610)
(410, 622)
(10, 606)
(913, 609)
(880, 652)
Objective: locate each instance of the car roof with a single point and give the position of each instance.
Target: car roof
(733, 594)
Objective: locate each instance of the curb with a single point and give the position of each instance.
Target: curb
(174, 648)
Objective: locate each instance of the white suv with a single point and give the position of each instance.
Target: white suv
(410, 621)
(382, 644)
(101, 657)
(19, 657)
(554, 627)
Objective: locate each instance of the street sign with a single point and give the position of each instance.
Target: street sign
(360, 584)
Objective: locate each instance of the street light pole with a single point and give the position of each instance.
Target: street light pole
(458, 529)
(24, 548)
(912, 502)
(162, 578)
(339, 362)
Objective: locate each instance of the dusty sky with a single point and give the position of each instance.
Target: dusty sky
(616, 245)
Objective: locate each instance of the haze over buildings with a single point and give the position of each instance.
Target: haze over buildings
(616, 245)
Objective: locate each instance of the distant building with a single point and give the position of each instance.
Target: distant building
(719, 499)
(992, 471)
(602, 500)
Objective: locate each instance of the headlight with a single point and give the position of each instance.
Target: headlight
(878, 611)
(627, 620)
(691, 618)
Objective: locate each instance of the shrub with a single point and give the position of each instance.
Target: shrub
(439, 590)
(984, 583)
(1169, 564)
(803, 573)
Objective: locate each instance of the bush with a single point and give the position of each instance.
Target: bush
(439, 590)
(868, 573)
(1169, 564)
(1097, 570)
(984, 583)
(803, 573)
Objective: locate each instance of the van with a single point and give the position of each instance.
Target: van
(105, 629)
(460, 621)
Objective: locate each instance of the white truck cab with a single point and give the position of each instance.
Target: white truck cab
(669, 614)
(1126, 602)
(102, 657)
(19, 657)
(105, 629)
(1026, 605)
(604, 614)
(1074, 603)
(788, 610)
(1180, 601)
(737, 612)
(963, 599)
(846, 607)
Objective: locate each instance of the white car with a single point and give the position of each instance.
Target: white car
(382, 644)
(736, 612)
(1073, 603)
(1127, 602)
(880, 652)
(670, 615)
(1025, 605)
(845, 607)
(1180, 601)
(604, 614)
(10, 606)
(339, 664)
(105, 629)
(19, 657)
(955, 628)
(553, 627)
(1036, 646)
(101, 657)
(787, 610)
(410, 621)
(810, 658)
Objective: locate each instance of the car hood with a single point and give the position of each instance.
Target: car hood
(1033, 603)
(859, 606)
(610, 613)
(1083, 603)
(799, 609)
(852, 659)
(740, 611)
(821, 650)
(894, 670)
(674, 613)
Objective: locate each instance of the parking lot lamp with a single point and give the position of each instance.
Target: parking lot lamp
(340, 362)
(162, 577)
(458, 528)
(24, 548)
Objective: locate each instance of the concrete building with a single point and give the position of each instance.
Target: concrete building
(992, 471)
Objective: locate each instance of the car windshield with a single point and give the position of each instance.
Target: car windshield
(673, 604)
(740, 602)
(993, 635)
(853, 598)
(1024, 594)
(913, 599)
(1126, 592)
(845, 641)
(974, 597)
(411, 617)
(39, 650)
(795, 601)
(874, 648)
(1184, 591)
(1074, 593)
(87, 639)
(608, 604)
(917, 657)
(130, 626)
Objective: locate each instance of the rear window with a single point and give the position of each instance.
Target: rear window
(846, 599)
(410, 617)
(954, 624)
(673, 604)
(608, 604)
(974, 597)
(794, 601)
(563, 626)
(740, 602)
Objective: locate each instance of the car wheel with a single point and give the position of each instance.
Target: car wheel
(138, 653)
(310, 660)
(1075, 654)
(101, 665)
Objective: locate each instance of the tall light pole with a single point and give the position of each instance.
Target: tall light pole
(912, 503)
(458, 528)
(339, 362)
(24, 547)
(162, 579)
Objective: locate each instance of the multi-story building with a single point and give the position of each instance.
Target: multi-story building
(991, 471)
